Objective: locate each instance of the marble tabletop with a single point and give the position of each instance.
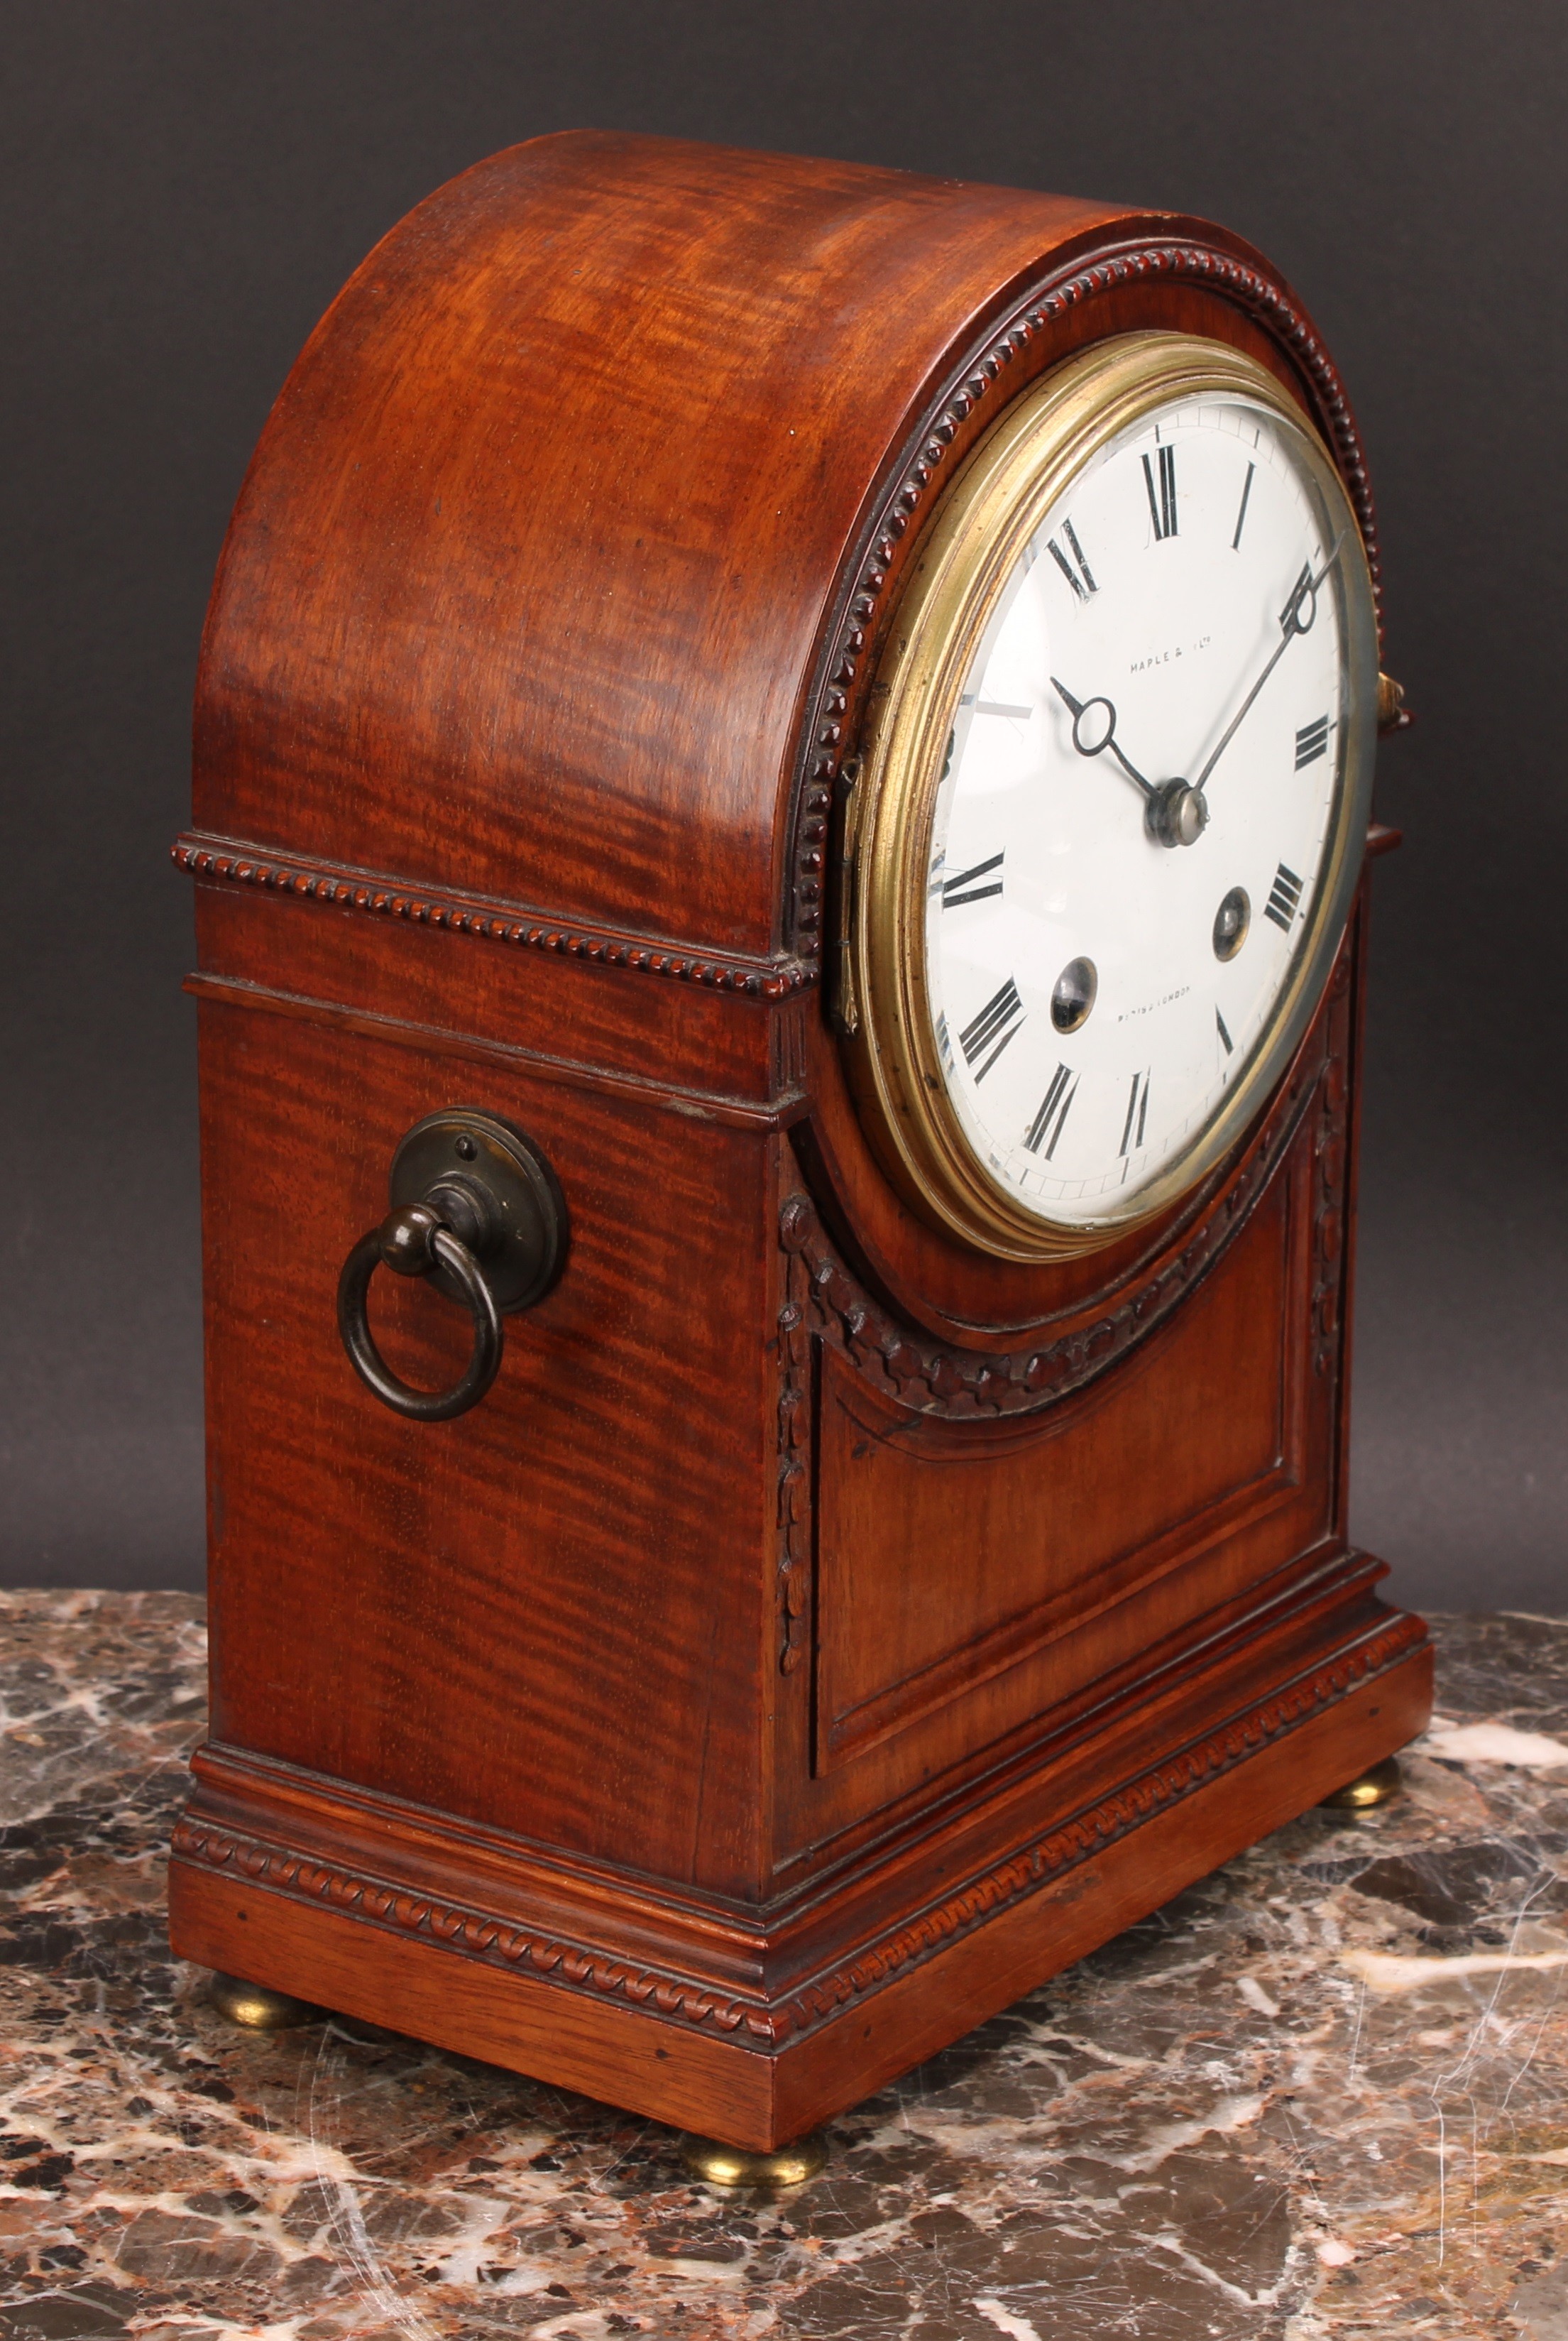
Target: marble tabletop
(1322, 2095)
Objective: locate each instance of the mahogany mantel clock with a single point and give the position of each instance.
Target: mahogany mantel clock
(783, 756)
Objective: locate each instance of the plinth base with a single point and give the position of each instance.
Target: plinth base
(755, 2028)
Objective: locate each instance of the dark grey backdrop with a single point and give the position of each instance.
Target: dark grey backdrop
(187, 183)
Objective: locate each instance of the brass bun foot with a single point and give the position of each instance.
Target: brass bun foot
(731, 2166)
(1372, 1788)
(254, 2005)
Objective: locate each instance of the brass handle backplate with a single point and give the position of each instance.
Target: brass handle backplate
(477, 1211)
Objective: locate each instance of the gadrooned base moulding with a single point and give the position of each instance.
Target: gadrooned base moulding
(754, 2025)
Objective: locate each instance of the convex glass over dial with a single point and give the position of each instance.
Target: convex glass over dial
(1114, 797)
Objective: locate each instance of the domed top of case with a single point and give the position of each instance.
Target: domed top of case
(554, 574)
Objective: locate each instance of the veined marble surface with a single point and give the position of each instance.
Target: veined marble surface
(1323, 2095)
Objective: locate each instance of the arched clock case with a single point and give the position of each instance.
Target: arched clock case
(694, 1618)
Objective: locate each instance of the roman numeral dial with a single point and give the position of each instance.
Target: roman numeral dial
(1046, 1127)
(1125, 885)
(1160, 479)
(1284, 897)
(976, 885)
(985, 1037)
(1311, 742)
(1138, 1115)
(1072, 563)
(1241, 509)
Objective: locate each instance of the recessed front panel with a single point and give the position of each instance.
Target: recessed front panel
(1052, 1524)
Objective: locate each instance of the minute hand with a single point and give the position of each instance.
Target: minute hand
(1292, 623)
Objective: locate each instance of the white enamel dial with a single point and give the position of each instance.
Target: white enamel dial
(1141, 803)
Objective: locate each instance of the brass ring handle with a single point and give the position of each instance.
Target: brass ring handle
(413, 1240)
(476, 1208)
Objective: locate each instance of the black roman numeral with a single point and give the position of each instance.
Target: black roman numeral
(1225, 1036)
(998, 1021)
(1284, 896)
(957, 892)
(1053, 1112)
(1138, 1114)
(1241, 516)
(1076, 570)
(1312, 741)
(1163, 503)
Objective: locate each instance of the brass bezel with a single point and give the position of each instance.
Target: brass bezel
(960, 569)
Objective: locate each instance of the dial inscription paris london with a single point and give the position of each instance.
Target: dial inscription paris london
(1139, 804)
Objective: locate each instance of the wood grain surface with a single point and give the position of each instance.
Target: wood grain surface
(820, 1632)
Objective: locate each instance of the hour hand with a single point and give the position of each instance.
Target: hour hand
(1094, 731)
